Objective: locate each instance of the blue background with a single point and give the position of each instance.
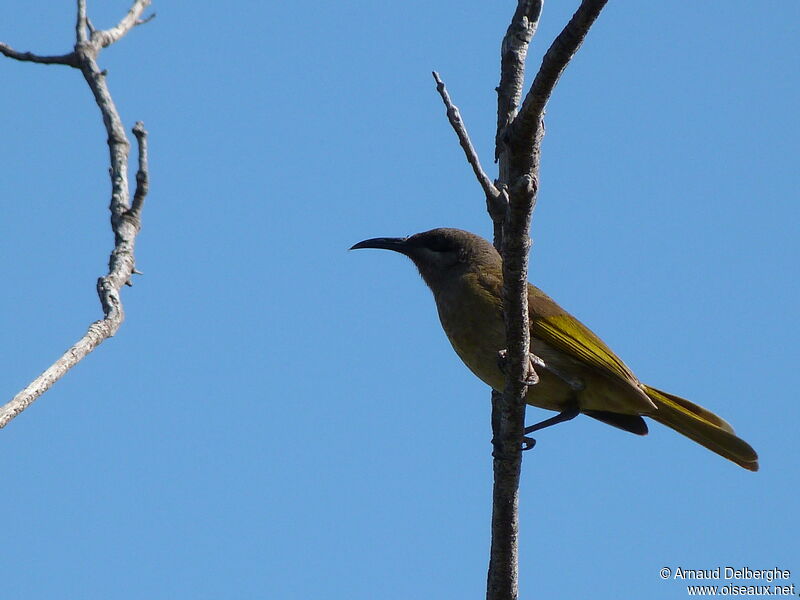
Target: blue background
(279, 418)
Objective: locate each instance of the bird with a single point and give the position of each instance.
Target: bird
(576, 372)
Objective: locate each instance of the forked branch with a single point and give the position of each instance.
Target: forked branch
(511, 200)
(525, 133)
(519, 138)
(513, 52)
(125, 216)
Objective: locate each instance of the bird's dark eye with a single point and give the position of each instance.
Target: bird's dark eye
(439, 244)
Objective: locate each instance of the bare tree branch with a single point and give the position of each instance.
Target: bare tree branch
(518, 150)
(525, 127)
(508, 409)
(125, 217)
(513, 53)
(142, 177)
(128, 22)
(96, 334)
(495, 201)
(64, 59)
(82, 22)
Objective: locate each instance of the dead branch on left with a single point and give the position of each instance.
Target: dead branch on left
(125, 215)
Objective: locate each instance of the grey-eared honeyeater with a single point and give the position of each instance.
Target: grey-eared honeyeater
(578, 372)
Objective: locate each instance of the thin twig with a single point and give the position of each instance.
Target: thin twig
(142, 177)
(495, 202)
(147, 19)
(64, 59)
(125, 217)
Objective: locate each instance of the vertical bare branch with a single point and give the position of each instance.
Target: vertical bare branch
(513, 53)
(142, 176)
(508, 409)
(511, 239)
(125, 218)
(80, 25)
(519, 137)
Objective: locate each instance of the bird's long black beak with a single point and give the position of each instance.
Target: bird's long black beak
(384, 243)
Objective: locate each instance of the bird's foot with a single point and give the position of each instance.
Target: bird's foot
(565, 415)
(534, 361)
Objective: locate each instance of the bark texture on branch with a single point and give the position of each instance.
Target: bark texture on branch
(528, 123)
(125, 216)
(518, 146)
(513, 52)
(510, 201)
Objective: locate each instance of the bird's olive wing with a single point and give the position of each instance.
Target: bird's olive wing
(564, 332)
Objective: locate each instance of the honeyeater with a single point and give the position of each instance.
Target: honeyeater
(577, 372)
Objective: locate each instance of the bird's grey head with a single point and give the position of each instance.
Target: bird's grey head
(440, 253)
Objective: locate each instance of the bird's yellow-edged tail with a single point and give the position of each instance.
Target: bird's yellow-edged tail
(702, 426)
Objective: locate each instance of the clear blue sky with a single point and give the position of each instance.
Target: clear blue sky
(279, 418)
